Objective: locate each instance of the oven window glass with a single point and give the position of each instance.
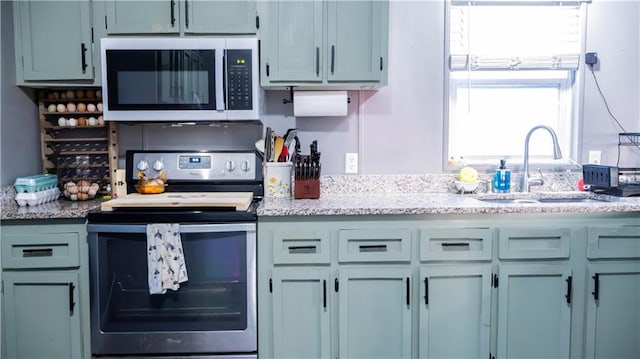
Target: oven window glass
(213, 299)
(161, 79)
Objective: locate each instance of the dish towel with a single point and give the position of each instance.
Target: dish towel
(166, 265)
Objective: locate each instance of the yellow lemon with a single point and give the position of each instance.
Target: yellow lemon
(468, 174)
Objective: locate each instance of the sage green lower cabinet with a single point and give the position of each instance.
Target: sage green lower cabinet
(42, 320)
(46, 290)
(534, 311)
(613, 311)
(455, 311)
(505, 286)
(375, 312)
(301, 320)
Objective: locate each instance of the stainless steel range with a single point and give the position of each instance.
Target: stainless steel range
(213, 313)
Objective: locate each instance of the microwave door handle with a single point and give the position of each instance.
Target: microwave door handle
(219, 84)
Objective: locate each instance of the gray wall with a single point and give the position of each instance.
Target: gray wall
(19, 127)
(396, 129)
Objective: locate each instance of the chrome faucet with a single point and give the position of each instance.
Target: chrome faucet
(525, 181)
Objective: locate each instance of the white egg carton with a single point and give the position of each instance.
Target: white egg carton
(35, 183)
(37, 198)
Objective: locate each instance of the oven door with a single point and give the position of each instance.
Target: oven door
(213, 312)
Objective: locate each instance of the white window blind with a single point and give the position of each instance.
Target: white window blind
(512, 35)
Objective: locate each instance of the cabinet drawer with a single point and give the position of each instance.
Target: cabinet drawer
(43, 250)
(455, 244)
(374, 245)
(301, 247)
(613, 242)
(517, 243)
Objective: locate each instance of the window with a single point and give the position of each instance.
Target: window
(512, 66)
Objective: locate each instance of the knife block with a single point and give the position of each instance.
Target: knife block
(308, 188)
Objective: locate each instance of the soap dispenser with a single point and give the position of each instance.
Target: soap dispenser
(502, 178)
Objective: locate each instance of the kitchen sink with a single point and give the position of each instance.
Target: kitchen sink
(540, 200)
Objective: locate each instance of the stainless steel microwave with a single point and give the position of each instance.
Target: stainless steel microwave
(179, 79)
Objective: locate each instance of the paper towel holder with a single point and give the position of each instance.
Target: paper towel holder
(290, 99)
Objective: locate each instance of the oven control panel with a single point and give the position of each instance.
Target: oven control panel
(199, 165)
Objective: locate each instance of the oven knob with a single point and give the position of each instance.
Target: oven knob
(142, 165)
(245, 166)
(230, 166)
(158, 165)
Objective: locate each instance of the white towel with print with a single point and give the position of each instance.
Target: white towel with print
(167, 268)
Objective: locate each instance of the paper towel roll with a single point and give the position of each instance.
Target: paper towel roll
(320, 103)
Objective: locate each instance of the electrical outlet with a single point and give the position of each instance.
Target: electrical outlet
(351, 163)
(594, 157)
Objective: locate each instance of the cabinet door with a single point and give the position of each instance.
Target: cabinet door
(291, 46)
(219, 17)
(41, 315)
(375, 312)
(142, 17)
(613, 311)
(54, 40)
(455, 306)
(355, 34)
(301, 313)
(534, 311)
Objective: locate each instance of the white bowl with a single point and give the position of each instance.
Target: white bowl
(466, 186)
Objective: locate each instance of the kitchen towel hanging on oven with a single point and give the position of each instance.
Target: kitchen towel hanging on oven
(166, 264)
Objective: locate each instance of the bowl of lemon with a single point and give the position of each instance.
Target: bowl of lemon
(467, 180)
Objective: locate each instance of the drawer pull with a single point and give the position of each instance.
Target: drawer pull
(324, 294)
(303, 249)
(596, 287)
(569, 284)
(28, 253)
(455, 244)
(373, 248)
(72, 303)
(408, 294)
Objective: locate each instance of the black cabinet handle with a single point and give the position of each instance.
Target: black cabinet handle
(324, 293)
(317, 61)
(186, 14)
(72, 303)
(333, 57)
(373, 248)
(380, 63)
(267, 69)
(408, 291)
(302, 249)
(455, 244)
(83, 54)
(596, 286)
(335, 285)
(46, 252)
(426, 290)
(568, 295)
(173, 13)
(257, 22)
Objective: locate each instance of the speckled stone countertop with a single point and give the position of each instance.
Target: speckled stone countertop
(435, 194)
(59, 209)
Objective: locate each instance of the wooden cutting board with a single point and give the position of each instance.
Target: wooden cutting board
(239, 200)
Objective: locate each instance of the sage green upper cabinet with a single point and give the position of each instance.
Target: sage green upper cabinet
(53, 41)
(324, 44)
(181, 17)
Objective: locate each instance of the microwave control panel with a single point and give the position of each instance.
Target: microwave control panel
(239, 79)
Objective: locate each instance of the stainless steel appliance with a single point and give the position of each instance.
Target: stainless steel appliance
(213, 314)
(179, 79)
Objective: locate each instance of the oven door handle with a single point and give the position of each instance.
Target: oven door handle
(184, 228)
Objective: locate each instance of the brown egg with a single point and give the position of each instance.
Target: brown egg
(81, 107)
(70, 94)
(99, 93)
(50, 96)
(90, 94)
(79, 93)
(56, 95)
(71, 107)
(82, 121)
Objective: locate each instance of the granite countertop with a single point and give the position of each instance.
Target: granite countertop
(436, 194)
(59, 209)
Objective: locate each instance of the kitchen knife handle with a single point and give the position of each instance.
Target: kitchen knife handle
(317, 61)
(72, 303)
(596, 286)
(83, 54)
(333, 57)
(186, 14)
(173, 13)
